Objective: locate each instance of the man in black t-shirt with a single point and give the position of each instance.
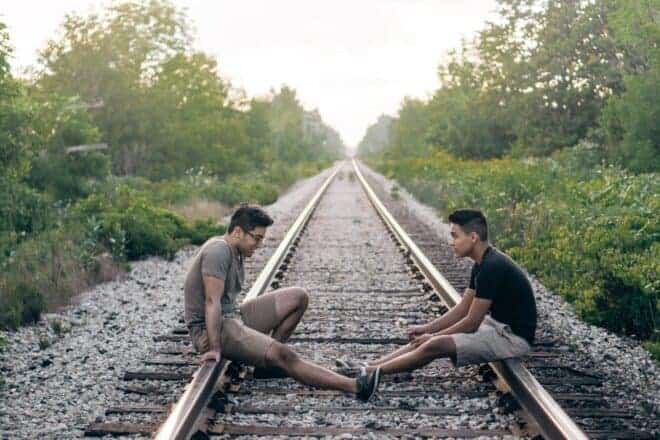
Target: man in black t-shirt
(497, 285)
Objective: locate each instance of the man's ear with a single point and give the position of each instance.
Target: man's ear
(474, 237)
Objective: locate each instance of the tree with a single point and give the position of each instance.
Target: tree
(186, 117)
(377, 137)
(408, 133)
(630, 119)
(113, 58)
(57, 123)
(552, 65)
(14, 117)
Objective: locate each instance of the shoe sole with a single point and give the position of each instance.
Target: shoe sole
(376, 383)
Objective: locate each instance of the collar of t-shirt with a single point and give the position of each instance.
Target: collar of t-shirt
(483, 257)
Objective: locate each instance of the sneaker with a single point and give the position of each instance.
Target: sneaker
(367, 383)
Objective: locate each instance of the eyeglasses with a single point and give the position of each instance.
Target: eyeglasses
(256, 237)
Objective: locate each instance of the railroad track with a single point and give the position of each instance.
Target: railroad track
(367, 283)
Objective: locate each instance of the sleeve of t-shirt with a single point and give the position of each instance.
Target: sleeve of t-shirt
(472, 275)
(216, 260)
(488, 282)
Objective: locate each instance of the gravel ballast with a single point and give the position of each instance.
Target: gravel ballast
(56, 391)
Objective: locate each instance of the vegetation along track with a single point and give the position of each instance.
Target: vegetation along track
(367, 283)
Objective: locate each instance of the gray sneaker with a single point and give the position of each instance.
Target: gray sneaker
(367, 383)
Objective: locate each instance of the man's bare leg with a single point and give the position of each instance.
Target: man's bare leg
(434, 348)
(290, 306)
(281, 356)
(396, 353)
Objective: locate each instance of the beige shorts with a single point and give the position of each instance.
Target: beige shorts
(247, 341)
(493, 341)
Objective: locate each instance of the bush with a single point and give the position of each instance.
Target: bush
(131, 228)
(653, 348)
(43, 272)
(21, 304)
(591, 236)
(202, 230)
(23, 212)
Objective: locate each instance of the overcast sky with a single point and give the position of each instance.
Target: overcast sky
(353, 60)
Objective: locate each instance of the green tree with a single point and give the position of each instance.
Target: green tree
(552, 65)
(630, 118)
(187, 107)
(466, 117)
(58, 123)
(408, 133)
(22, 210)
(377, 137)
(112, 59)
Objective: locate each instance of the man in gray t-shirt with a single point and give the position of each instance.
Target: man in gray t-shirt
(216, 259)
(214, 280)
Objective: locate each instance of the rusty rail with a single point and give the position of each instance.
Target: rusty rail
(183, 420)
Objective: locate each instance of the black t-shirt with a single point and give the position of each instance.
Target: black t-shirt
(500, 280)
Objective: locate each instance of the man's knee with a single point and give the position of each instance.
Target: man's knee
(438, 346)
(280, 355)
(301, 297)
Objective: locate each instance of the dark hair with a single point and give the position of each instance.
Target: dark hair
(249, 217)
(471, 220)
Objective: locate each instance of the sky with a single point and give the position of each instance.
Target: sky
(352, 60)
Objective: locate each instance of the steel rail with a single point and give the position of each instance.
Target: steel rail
(183, 419)
(552, 420)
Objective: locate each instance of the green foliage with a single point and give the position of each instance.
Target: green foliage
(543, 77)
(23, 212)
(177, 132)
(594, 238)
(238, 189)
(408, 133)
(376, 138)
(631, 122)
(163, 107)
(41, 272)
(14, 117)
(112, 58)
(130, 227)
(57, 123)
(23, 306)
(202, 230)
(44, 342)
(653, 348)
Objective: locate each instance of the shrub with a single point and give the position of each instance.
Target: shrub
(42, 272)
(653, 348)
(592, 236)
(202, 230)
(20, 304)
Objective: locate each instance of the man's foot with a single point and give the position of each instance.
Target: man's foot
(268, 373)
(367, 383)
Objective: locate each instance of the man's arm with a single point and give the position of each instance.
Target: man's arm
(453, 315)
(471, 322)
(213, 290)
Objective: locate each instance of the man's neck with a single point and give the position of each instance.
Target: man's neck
(231, 241)
(478, 251)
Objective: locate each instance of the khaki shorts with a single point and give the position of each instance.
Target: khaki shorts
(245, 341)
(493, 341)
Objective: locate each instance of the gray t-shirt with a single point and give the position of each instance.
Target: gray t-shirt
(217, 259)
